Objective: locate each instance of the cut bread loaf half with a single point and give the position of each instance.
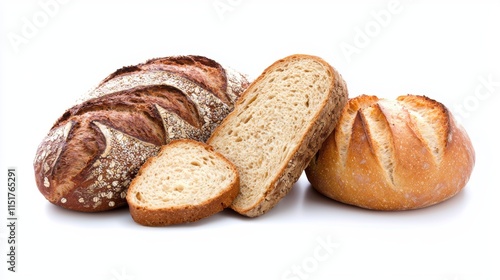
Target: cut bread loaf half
(277, 126)
(185, 182)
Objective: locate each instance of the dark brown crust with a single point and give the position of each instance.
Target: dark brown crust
(204, 71)
(186, 213)
(68, 161)
(134, 112)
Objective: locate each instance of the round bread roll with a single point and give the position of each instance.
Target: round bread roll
(398, 154)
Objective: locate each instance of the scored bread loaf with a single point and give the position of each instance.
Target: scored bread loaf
(393, 154)
(95, 148)
(277, 126)
(185, 182)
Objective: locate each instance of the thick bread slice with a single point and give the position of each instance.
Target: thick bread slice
(185, 182)
(277, 126)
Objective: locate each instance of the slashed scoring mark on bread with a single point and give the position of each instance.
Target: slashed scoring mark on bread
(380, 137)
(398, 154)
(420, 117)
(427, 124)
(176, 127)
(344, 129)
(210, 108)
(53, 145)
(147, 106)
(234, 87)
(111, 171)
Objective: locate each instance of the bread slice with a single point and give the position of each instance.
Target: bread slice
(185, 182)
(277, 126)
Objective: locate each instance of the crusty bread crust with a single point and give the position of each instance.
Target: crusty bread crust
(95, 148)
(399, 154)
(311, 135)
(185, 213)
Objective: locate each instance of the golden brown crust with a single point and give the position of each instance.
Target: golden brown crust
(130, 113)
(316, 132)
(400, 155)
(184, 213)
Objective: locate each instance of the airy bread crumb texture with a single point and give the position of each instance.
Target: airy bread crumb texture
(269, 125)
(184, 175)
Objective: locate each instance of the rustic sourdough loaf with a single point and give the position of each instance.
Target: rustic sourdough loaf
(185, 182)
(94, 149)
(393, 154)
(277, 126)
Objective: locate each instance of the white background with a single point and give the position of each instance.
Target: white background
(447, 50)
